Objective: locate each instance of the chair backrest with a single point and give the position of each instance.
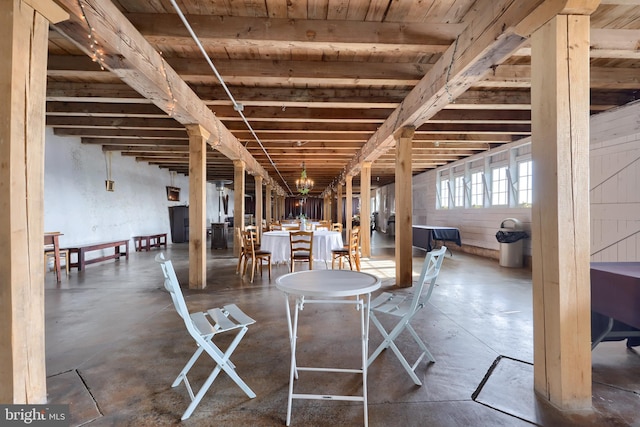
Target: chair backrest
(301, 243)
(255, 230)
(239, 236)
(337, 226)
(275, 226)
(429, 274)
(354, 242)
(290, 225)
(249, 241)
(172, 285)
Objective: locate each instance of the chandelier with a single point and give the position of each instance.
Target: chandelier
(304, 184)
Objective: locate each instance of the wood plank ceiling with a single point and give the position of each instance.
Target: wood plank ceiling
(317, 80)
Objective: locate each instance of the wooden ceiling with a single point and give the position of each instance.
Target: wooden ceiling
(322, 82)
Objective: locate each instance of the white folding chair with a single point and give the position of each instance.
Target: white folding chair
(406, 306)
(203, 326)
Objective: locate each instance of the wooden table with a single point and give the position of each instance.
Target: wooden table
(340, 287)
(52, 238)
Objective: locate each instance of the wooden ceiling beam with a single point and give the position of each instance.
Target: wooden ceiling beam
(267, 32)
(330, 72)
(122, 133)
(98, 109)
(114, 122)
(136, 141)
(310, 99)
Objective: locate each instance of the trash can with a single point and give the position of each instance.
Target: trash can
(510, 237)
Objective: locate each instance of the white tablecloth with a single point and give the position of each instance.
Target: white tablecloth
(277, 242)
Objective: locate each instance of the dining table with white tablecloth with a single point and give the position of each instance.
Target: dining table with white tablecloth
(277, 242)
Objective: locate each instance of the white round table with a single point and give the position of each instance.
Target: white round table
(342, 287)
(277, 242)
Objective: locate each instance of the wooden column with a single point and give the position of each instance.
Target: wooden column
(404, 207)
(365, 209)
(276, 207)
(560, 214)
(339, 204)
(348, 211)
(267, 209)
(325, 207)
(258, 180)
(198, 137)
(238, 203)
(23, 71)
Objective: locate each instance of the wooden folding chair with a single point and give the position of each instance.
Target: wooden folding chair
(406, 306)
(202, 327)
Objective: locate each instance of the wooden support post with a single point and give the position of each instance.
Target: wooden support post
(348, 203)
(339, 204)
(404, 207)
(560, 214)
(267, 208)
(365, 209)
(23, 73)
(258, 181)
(275, 206)
(238, 203)
(198, 137)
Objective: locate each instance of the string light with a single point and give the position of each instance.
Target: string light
(96, 53)
(172, 99)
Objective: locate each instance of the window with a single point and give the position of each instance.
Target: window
(444, 194)
(525, 180)
(499, 186)
(477, 190)
(458, 191)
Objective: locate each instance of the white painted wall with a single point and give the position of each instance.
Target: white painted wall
(614, 184)
(77, 204)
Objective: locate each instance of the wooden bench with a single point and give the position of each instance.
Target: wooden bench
(148, 241)
(81, 251)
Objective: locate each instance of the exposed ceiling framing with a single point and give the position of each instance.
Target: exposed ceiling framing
(324, 83)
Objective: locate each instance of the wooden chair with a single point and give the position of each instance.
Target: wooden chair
(291, 226)
(275, 226)
(337, 226)
(350, 253)
(49, 253)
(255, 255)
(301, 243)
(203, 326)
(255, 230)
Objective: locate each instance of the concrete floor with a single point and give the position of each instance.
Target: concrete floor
(114, 345)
